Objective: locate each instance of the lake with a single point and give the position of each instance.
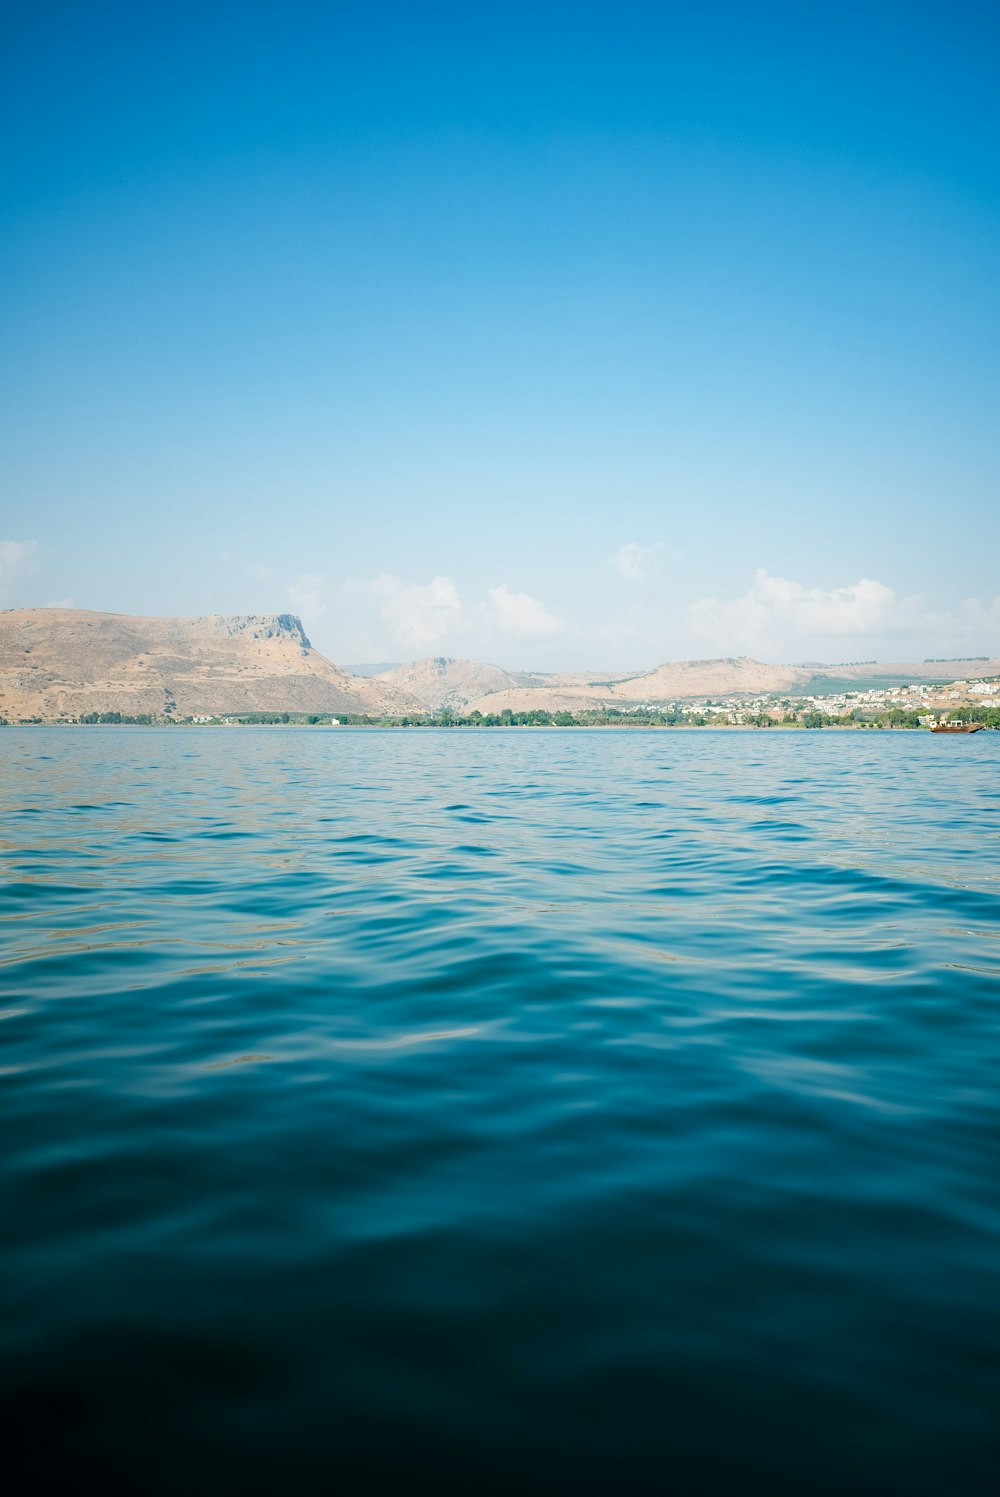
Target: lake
(556, 1111)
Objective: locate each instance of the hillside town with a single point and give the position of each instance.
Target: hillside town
(925, 701)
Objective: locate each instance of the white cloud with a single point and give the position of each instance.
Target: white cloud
(634, 562)
(306, 595)
(775, 605)
(521, 614)
(778, 613)
(976, 625)
(417, 614)
(16, 558)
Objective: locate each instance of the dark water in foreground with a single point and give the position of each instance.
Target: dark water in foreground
(539, 1111)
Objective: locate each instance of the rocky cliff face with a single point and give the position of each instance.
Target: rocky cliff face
(62, 663)
(259, 626)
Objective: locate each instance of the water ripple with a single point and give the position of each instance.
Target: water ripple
(547, 1111)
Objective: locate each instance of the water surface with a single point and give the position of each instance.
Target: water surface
(541, 1111)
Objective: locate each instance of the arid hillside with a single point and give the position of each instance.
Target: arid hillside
(441, 681)
(681, 680)
(62, 663)
(699, 678)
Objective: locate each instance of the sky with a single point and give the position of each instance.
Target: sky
(566, 336)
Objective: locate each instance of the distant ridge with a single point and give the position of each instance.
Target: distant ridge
(63, 663)
(442, 681)
(445, 681)
(373, 668)
(468, 685)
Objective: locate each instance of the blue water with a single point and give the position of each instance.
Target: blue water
(500, 1111)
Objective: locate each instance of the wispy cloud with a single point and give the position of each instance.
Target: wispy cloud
(418, 614)
(776, 612)
(859, 608)
(635, 562)
(306, 595)
(16, 560)
(257, 571)
(521, 615)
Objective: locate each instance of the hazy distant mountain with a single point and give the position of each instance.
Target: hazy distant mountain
(443, 681)
(374, 668)
(951, 669)
(440, 681)
(681, 680)
(579, 691)
(61, 662)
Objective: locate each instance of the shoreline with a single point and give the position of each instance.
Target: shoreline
(436, 727)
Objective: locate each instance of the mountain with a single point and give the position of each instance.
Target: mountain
(673, 681)
(440, 681)
(681, 680)
(373, 667)
(443, 681)
(956, 668)
(63, 662)
(699, 678)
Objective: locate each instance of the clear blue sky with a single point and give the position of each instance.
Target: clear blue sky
(564, 335)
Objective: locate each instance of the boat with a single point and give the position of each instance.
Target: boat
(954, 725)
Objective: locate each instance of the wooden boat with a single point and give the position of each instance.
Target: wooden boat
(954, 725)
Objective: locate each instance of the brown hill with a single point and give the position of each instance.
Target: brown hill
(442, 681)
(673, 681)
(698, 678)
(63, 663)
(680, 680)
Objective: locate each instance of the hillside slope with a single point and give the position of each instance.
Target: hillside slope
(442, 681)
(672, 681)
(698, 678)
(62, 662)
(680, 680)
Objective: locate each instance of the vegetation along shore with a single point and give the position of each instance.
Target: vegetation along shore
(895, 717)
